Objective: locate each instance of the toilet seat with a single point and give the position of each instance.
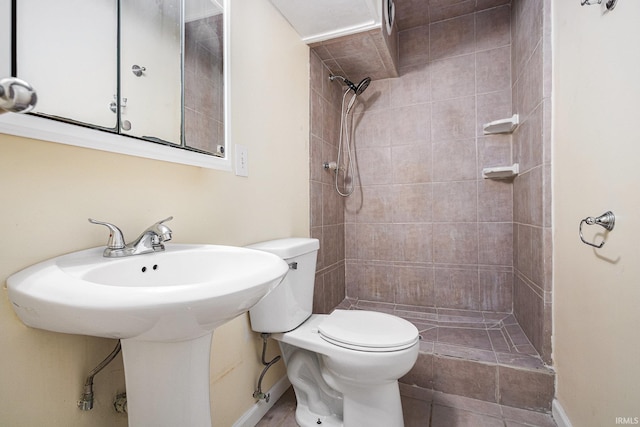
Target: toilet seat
(367, 331)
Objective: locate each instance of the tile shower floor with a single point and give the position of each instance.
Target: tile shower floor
(474, 369)
(473, 335)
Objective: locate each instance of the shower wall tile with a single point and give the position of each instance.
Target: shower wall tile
(413, 86)
(531, 83)
(455, 201)
(329, 289)
(536, 193)
(493, 150)
(495, 201)
(376, 97)
(455, 160)
(332, 206)
(493, 106)
(452, 37)
(375, 242)
(495, 241)
(522, 199)
(371, 129)
(522, 389)
(453, 77)
(373, 205)
(493, 28)
(414, 285)
(488, 4)
(316, 171)
(330, 122)
(413, 244)
(368, 53)
(316, 233)
(440, 11)
(316, 107)
(410, 124)
(333, 244)
(374, 282)
(417, 13)
(457, 288)
(523, 256)
(351, 244)
(451, 376)
(546, 196)
(532, 142)
(453, 119)
(412, 203)
(422, 373)
(493, 69)
(327, 208)
(496, 290)
(455, 243)
(315, 199)
(411, 163)
(414, 46)
(375, 166)
(527, 30)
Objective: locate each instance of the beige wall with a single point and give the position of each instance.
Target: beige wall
(596, 151)
(49, 190)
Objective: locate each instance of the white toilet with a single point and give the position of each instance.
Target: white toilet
(344, 366)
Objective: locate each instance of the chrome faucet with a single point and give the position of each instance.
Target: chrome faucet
(151, 239)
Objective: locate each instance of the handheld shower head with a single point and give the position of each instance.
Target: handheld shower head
(363, 85)
(358, 89)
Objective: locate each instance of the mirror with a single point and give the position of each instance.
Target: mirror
(152, 70)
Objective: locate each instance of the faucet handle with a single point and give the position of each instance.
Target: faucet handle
(165, 220)
(116, 238)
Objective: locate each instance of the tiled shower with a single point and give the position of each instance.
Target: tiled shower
(424, 231)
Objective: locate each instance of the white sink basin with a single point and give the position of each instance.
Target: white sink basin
(183, 292)
(163, 306)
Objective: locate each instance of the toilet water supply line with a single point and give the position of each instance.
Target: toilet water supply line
(258, 393)
(86, 401)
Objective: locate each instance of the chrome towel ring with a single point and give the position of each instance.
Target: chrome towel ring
(610, 3)
(606, 220)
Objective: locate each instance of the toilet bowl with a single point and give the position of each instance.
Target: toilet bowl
(344, 366)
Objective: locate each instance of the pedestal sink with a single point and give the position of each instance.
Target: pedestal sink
(163, 307)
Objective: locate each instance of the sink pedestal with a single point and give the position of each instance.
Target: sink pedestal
(168, 382)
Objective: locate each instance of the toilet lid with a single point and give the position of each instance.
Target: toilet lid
(368, 331)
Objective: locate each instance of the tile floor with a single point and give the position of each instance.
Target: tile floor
(432, 409)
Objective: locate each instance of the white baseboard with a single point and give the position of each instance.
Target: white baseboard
(560, 417)
(260, 408)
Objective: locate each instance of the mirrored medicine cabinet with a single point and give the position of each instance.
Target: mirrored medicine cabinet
(143, 77)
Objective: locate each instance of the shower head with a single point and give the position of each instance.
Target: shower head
(358, 89)
(363, 85)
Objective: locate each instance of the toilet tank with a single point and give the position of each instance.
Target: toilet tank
(291, 302)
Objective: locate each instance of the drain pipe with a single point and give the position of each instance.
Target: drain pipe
(86, 401)
(258, 394)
